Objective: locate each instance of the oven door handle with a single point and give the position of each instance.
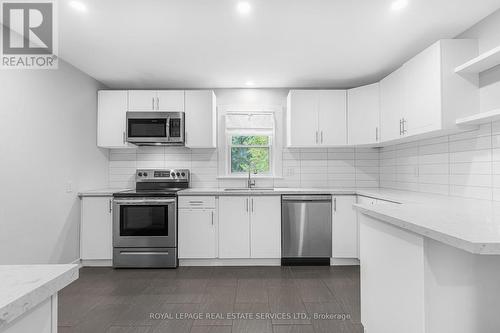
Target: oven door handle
(145, 202)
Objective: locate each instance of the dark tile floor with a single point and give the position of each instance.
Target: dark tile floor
(107, 300)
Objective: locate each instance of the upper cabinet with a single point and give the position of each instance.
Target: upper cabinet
(425, 94)
(153, 100)
(316, 118)
(199, 107)
(111, 121)
(201, 119)
(363, 115)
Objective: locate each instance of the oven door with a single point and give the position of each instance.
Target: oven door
(145, 222)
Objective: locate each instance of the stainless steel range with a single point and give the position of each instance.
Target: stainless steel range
(145, 219)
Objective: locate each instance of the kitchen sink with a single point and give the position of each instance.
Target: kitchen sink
(240, 189)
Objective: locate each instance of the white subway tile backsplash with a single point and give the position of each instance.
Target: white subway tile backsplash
(463, 164)
(316, 167)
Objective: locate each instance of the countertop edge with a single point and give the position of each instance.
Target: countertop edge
(31, 299)
(468, 246)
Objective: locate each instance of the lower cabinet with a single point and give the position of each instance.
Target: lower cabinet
(345, 227)
(197, 234)
(265, 227)
(96, 228)
(250, 227)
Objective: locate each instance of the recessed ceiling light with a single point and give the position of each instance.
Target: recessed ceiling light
(244, 7)
(79, 6)
(399, 4)
(250, 83)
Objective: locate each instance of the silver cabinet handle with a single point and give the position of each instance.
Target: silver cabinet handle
(110, 205)
(157, 103)
(252, 205)
(400, 126)
(316, 136)
(153, 103)
(247, 204)
(321, 136)
(376, 133)
(335, 204)
(212, 218)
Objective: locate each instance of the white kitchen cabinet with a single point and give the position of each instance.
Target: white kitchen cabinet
(111, 119)
(142, 100)
(154, 100)
(332, 117)
(302, 118)
(425, 94)
(363, 115)
(423, 91)
(316, 118)
(250, 227)
(265, 226)
(345, 227)
(197, 233)
(96, 228)
(392, 101)
(170, 100)
(201, 119)
(234, 227)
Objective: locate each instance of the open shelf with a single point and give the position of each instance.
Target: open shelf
(480, 118)
(481, 63)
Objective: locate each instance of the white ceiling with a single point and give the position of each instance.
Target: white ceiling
(281, 43)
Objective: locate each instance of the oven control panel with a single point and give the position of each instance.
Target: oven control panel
(162, 175)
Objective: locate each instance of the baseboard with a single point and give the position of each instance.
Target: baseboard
(77, 262)
(229, 262)
(344, 262)
(97, 263)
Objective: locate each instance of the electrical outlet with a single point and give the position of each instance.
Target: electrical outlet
(69, 187)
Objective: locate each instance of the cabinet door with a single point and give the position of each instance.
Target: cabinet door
(363, 114)
(142, 100)
(201, 119)
(265, 227)
(302, 118)
(234, 227)
(392, 104)
(170, 100)
(111, 119)
(332, 117)
(423, 91)
(197, 233)
(96, 228)
(345, 227)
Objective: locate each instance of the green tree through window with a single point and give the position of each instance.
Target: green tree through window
(250, 152)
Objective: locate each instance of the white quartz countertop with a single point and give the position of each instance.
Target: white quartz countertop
(468, 224)
(22, 287)
(103, 192)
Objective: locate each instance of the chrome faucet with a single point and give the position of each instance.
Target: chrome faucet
(250, 181)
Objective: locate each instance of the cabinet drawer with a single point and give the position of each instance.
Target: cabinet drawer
(196, 202)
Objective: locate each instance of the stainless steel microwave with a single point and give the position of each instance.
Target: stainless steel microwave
(155, 128)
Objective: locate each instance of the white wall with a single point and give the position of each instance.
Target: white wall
(321, 167)
(47, 139)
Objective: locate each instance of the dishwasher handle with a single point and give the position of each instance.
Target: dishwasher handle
(307, 198)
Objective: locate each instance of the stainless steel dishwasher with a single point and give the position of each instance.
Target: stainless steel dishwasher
(306, 229)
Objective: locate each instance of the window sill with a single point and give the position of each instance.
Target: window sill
(246, 177)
